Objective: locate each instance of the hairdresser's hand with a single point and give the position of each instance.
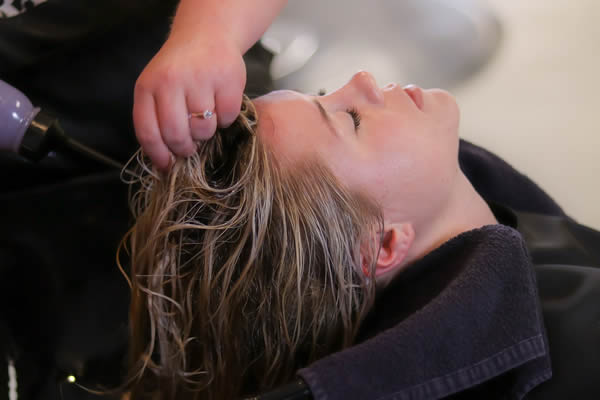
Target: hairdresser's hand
(191, 73)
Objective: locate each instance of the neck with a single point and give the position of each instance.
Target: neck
(465, 210)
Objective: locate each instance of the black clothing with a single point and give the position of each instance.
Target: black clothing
(63, 302)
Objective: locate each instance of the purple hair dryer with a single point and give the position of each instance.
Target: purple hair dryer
(32, 133)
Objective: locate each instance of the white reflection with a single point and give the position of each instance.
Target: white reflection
(293, 43)
(294, 56)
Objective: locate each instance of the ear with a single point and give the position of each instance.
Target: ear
(397, 240)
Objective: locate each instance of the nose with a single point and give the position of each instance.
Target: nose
(365, 85)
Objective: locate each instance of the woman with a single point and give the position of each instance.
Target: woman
(263, 252)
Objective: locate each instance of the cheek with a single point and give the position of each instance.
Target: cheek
(406, 165)
(412, 172)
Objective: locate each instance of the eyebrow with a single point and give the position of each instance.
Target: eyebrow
(325, 116)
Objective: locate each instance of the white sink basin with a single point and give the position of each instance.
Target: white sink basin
(321, 43)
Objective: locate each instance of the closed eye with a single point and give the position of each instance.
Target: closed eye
(353, 112)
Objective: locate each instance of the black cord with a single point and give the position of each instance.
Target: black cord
(91, 153)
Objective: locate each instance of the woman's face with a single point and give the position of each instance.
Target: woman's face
(400, 146)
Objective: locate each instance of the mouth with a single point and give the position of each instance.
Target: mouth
(416, 95)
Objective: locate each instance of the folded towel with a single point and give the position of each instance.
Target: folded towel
(466, 317)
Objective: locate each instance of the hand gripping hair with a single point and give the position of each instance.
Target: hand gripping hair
(242, 271)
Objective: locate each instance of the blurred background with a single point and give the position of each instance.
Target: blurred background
(525, 73)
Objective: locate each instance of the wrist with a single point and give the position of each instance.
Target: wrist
(208, 34)
(233, 21)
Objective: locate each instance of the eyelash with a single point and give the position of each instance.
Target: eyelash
(353, 112)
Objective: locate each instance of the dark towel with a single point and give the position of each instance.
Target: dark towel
(465, 317)
(498, 182)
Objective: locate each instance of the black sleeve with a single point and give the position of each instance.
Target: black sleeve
(58, 25)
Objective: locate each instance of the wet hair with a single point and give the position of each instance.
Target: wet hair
(243, 268)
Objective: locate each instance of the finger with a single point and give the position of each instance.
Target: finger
(228, 101)
(198, 102)
(147, 130)
(173, 122)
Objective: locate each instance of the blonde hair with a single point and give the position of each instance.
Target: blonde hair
(242, 271)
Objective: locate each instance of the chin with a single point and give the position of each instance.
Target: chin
(442, 106)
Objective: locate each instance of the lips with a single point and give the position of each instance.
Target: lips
(416, 95)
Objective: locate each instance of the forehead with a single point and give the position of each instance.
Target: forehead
(291, 124)
(280, 107)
